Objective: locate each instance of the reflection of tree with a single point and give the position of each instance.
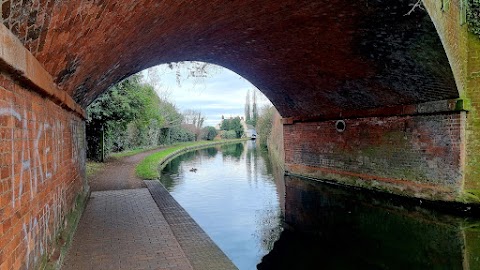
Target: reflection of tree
(232, 150)
(174, 165)
(277, 171)
(266, 157)
(210, 152)
(252, 160)
(172, 169)
(268, 229)
(168, 181)
(248, 161)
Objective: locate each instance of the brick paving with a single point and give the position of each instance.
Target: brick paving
(139, 228)
(200, 250)
(124, 229)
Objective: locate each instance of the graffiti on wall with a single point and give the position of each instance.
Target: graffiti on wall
(38, 147)
(38, 232)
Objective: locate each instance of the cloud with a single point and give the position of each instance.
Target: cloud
(223, 93)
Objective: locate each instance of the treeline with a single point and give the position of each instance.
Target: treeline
(264, 125)
(232, 128)
(270, 133)
(251, 111)
(131, 115)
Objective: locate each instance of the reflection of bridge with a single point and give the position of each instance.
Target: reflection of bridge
(354, 230)
(405, 87)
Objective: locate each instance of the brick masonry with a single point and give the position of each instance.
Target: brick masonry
(42, 165)
(308, 57)
(199, 248)
(416, 155)
(315, 60)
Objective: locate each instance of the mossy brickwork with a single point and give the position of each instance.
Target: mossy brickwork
(418, 155)
(406, 156)
(472, 128)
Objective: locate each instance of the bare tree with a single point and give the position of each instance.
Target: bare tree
(416, 5)
(193, 121)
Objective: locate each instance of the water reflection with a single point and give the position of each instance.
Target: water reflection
(232, 195)
(232, 150)
(340, 229)
(241, 200)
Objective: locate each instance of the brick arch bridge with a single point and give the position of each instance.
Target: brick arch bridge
(404, 83)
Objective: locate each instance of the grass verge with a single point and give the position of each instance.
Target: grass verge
(133, 152)
(148, 168)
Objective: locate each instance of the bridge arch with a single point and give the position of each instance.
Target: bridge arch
(309, 58)
(393, 79)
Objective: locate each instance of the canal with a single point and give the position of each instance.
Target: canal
(262, 219)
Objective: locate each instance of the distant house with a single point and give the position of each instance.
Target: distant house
(250, 131)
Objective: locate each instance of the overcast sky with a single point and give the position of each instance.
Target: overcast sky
(222, 92)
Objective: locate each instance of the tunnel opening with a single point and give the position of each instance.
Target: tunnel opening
(177, 102)
(367, 63)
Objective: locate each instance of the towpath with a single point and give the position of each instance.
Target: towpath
(133, 224)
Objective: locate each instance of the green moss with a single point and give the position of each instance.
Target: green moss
(63, 240)
(93, 167)
(470, 196)
(475, 192)
(465, 102)
(472, 247)
(473, 16)
(459, 105)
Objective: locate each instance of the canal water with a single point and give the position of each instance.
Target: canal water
(263, 220)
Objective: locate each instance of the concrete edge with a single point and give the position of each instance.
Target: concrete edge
(199, 248)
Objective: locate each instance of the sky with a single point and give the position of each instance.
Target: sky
(221, 92)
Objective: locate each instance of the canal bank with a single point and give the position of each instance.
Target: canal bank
(199, 249)
(231, 192)
(126, 229)
(141, 229)
(149, 168)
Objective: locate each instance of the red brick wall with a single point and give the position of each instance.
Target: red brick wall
(410, 155)
(42, 165)
(371, 56)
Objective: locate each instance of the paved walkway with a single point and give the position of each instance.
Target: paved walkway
(119, 173)
(200, 250)
(124, 229)
(141, 229)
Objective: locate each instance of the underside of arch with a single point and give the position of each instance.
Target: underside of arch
(310, 58)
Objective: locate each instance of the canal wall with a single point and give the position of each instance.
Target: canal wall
(415, 151)
(42, 159)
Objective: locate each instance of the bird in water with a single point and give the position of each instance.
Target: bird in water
(193, 170)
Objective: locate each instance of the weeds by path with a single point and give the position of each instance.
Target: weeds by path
(133, 152)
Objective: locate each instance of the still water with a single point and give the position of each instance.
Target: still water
(241, 201)
(231, 193)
